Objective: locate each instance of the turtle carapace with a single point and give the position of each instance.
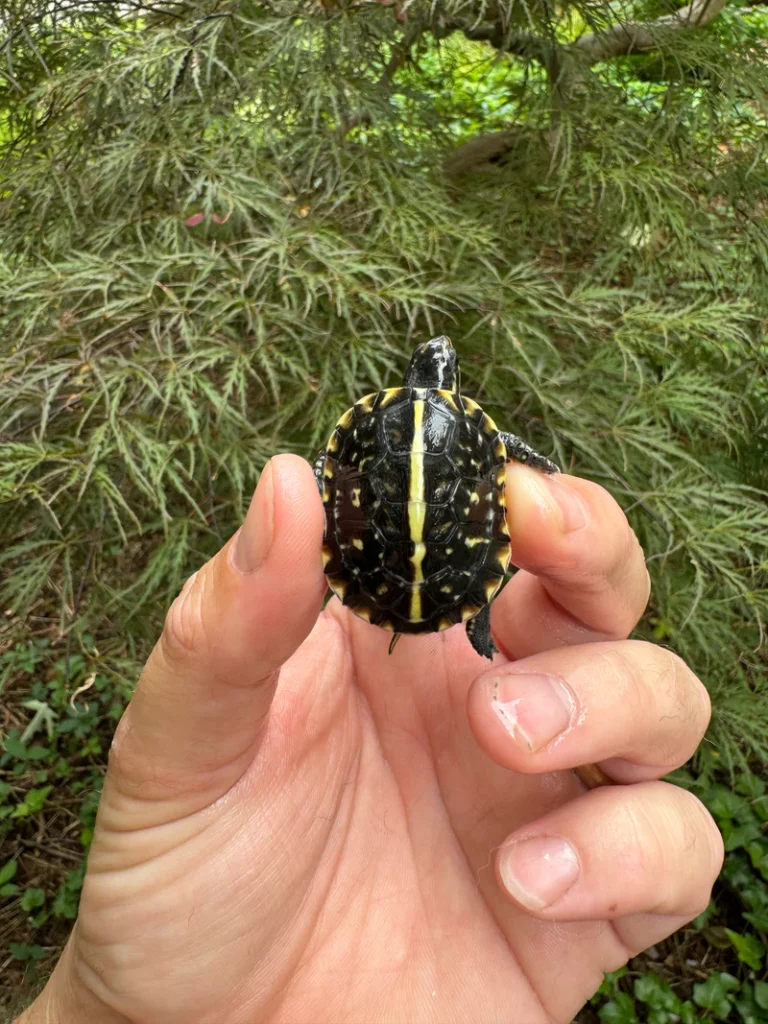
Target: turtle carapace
(412, 480)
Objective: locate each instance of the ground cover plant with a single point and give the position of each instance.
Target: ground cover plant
(224, 221)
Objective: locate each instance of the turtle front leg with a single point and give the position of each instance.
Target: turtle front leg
(318, 468)
(479, 633)
(518, 450)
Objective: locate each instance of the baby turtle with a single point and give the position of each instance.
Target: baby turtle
(412, 480)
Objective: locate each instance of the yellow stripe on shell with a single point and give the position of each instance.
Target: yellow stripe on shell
(450, 398)
(347, 419)
(416, 506)
(365, 404)
(389, 396)
(488, 425)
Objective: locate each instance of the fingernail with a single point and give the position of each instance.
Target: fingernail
(572, 506)
(538, 871)
(533, 709)
(556, 502)
(254, 538)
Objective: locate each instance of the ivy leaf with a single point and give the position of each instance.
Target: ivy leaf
(749, 948)
(713, 994)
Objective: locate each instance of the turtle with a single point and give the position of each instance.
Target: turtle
(412, 480)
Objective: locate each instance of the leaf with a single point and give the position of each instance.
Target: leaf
(621, 1010)
(8, 871)
(33, 802)
(761, 994)
(713, 994)
(652, 990)
(749, 948)
(9, 889)
(22, 951)
(32, 899)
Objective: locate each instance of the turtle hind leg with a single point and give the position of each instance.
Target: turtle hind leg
(318, 467)
(479, 633)
(520, 451)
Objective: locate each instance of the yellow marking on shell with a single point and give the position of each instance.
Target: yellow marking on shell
(333, 443)
(328, 469)
(450, 398)
(473, 541)
(363, 613)
(491, 586)
(474, 498)
(358, 543)
(449, 551)
(502, 558)
(469, 405)
(444, 624)
(327, 555)
(326, 494)
(416, 506)
(446, 589)
(382, 589)
(338, 586)
(468, 611)
(488, 425)
(347, 419)
(500, 450)
(503, 528)
(368, 458)
(389, 396)
(386, 624)
(501, 476)
(356, 497)
(366, 402)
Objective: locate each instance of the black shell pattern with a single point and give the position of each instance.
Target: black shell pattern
(416, 536)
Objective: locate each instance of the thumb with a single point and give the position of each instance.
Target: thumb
(193, 725)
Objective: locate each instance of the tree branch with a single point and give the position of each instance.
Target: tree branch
(628, 37)
(523, 44)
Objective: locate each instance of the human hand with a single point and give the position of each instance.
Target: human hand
(298, 828)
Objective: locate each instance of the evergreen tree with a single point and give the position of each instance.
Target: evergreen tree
(225, 220)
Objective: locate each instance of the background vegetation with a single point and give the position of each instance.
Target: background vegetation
(223, 221)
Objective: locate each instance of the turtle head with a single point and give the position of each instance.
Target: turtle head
(434, 364)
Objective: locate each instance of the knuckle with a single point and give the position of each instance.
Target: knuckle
(671, 705)
(702, 835)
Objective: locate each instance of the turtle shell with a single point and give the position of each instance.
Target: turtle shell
(416, 535)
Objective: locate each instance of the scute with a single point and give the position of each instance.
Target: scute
(439, 576)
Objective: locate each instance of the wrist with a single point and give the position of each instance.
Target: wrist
(67, 1000)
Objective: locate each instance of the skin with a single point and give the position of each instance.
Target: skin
(297, 827)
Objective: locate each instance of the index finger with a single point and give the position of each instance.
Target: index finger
(582, 571)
